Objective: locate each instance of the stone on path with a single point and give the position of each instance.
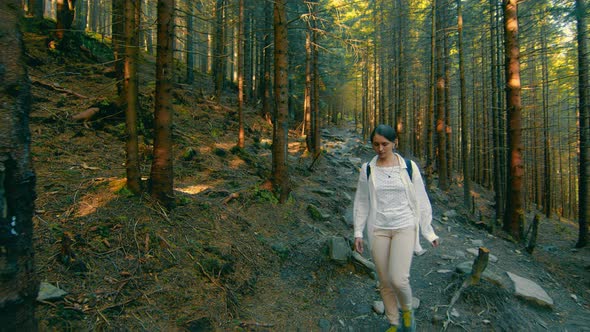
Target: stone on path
(530, 291)
(48, 292)
(370, 266)
(490, 274)
(339, 250)
(475, 252)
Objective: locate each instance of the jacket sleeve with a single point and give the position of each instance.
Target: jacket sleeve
(361, 203)
(423, 205)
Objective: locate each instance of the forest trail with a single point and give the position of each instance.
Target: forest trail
(343, 295)
(229, 257)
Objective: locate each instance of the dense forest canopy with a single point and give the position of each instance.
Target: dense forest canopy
(395, 62)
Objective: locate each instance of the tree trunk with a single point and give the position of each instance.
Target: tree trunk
(132, 10)
(19, 286)
(81, 18)
(241, 74)
(467, 199)
(584, 105)
(440, 107)
(514, 217)
(432, 98)
(219, 49)
(496, 114)
(280, 138)
(547, 169)
(315, 97)
(267, 108)
(36, 8)
(65, 17)
(306, 130)
(117, 22)
(190, 44)
(162, 174)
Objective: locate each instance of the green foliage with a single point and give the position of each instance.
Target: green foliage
(125, 192)
(263, 196)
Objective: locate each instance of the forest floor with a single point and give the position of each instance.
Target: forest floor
(229, 257)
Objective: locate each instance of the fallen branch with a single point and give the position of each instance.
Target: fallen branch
(56, 88)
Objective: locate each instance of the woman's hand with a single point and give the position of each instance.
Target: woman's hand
(435, 243)
(358, 244)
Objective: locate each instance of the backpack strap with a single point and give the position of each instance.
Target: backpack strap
(409, 168)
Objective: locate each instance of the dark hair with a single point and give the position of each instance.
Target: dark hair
(384, 130)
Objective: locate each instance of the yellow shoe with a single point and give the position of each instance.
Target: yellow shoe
(409, 322)
(392, 328)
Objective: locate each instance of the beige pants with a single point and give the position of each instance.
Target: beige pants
(392, 251)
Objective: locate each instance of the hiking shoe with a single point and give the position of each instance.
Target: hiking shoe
(408, 321)
(392, 328)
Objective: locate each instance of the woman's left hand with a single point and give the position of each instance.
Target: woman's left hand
(435, 243)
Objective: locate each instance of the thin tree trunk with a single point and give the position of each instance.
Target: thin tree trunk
(190, 44)
(118, 24)
(36, 8)
(219, 49)
(162, 174)
(280, 125)
(19, 286)
(431, 161)
(241, 74)
(132, 9)
(65, 17)
(81, 18)
(467, 199)
(547, 169)
(514, 220)
(267, 108)
(440, 106)
(306, 130)
(584, 106)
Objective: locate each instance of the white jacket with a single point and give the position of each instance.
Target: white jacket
(365, 208)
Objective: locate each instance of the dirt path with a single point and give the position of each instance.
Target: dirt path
(312, 292)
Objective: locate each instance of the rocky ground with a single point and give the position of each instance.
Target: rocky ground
(345, 293)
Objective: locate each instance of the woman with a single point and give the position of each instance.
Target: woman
(394, 207)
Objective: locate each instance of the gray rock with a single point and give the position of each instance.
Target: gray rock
(490, 274)
(48, 292)
(379, 307)
(367, 264)
(317, 214)
(530, 291)
(324, 192)
(339, 250)
(475, 252)
(450, 214)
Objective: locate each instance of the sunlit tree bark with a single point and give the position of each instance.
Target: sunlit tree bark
(162, 174)
(514, 218)
(241, 73)
(18, 286)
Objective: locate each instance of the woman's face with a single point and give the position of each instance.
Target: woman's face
(382, 146)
